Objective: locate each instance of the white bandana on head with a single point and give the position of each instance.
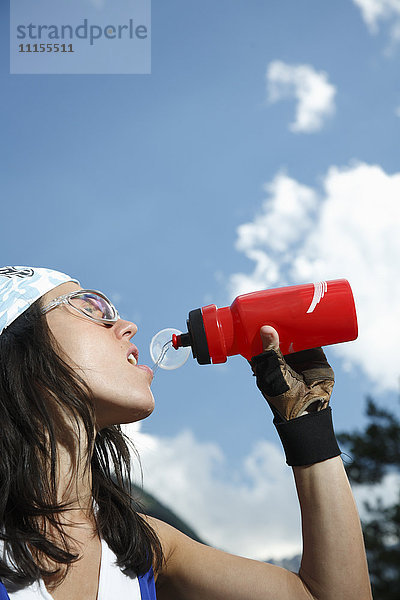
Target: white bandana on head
(20, 287)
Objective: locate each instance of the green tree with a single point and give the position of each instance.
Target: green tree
(375, 452)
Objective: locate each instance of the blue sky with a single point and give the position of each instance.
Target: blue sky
(137, 185)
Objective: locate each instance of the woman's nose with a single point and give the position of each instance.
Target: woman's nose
(125, 328)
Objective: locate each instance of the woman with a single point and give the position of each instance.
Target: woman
(68, 378)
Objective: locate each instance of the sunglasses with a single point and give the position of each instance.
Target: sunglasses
(90, 303)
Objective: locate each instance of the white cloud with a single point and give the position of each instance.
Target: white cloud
(375, 12)
(387, 491)
(311, 88)
(397, 111)
(349, 228)
(286, 218)
(251, 512)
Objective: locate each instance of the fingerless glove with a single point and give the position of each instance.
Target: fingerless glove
(298, 387)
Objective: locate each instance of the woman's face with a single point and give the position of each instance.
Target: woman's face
(98, 353)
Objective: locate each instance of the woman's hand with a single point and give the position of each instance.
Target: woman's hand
(298, 388)
(295, 384)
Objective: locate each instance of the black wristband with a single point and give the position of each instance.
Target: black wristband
(308, 439)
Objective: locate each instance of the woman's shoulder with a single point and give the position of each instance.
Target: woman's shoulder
(168, 535)
(179, 550)
(172, 541)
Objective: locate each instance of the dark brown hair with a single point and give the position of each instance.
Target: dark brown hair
(35, 384)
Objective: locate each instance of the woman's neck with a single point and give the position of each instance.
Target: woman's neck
(74, 480)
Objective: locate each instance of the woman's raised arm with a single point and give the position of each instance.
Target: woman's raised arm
(333, 564)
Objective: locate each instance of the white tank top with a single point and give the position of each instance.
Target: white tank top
(113, 583)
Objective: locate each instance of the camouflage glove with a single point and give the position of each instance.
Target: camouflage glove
(298, 388)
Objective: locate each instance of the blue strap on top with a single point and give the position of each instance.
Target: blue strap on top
(146, 584)
(3, 592)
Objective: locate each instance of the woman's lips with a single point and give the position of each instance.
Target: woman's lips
(133, 354)
(132, 357)
(147, 369)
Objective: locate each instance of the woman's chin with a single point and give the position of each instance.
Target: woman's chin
(121, 414)
(139, 415)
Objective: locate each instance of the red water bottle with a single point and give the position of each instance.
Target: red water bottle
(305, 316)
